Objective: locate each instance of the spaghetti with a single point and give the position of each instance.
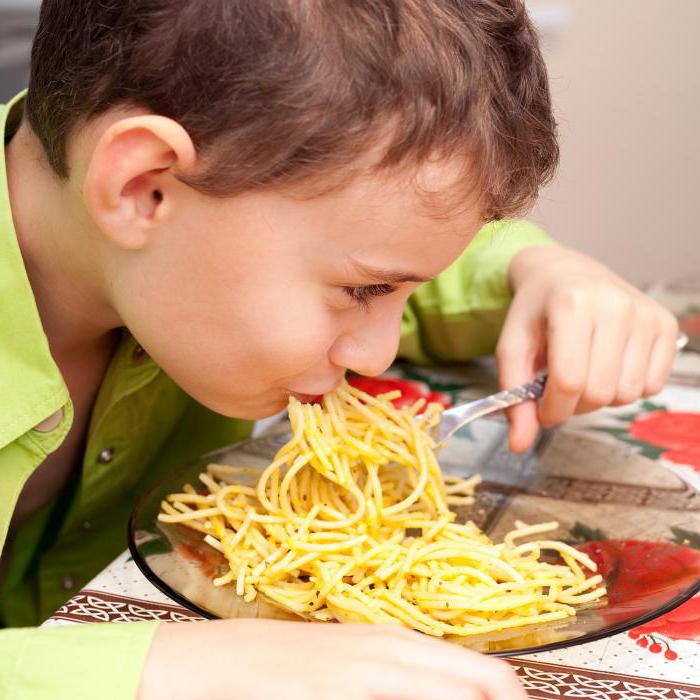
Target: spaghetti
(352, 522)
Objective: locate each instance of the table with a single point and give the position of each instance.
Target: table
(658, 660)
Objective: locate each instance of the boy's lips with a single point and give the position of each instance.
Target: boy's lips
(307, 398)
(314, 396)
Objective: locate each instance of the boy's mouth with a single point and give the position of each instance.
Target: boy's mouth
(316, 395)
(307, 398)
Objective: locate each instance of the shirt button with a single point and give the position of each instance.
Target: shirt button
(139, 355)
(105, 456)
(67, 583)
(86, 525)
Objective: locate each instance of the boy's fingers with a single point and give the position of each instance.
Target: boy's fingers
(568, 356)
(633, 375)
(663, 353)
(495, 678)
(518, 356)
(608, 348)
(395, 681)
(514, 369)
(523, 426)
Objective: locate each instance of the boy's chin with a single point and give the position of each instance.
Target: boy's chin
(252, 410)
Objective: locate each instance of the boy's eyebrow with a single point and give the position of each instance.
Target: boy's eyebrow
(379, 274)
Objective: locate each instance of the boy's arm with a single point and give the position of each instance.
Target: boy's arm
(77, 661)
(459, 314)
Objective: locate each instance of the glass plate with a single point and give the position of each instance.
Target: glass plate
(635, 518)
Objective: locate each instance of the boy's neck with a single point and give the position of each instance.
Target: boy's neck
(63, 265)
(59, 247)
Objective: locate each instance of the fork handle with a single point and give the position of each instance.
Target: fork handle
(454, 418)
(524, 392)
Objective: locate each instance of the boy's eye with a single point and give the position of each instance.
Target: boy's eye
(364, 295)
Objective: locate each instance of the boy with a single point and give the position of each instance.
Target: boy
(255, 189)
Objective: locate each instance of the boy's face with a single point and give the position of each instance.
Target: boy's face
(244, 301)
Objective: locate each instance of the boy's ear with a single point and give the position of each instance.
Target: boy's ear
(129, 181)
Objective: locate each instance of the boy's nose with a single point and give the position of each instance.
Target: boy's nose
(369, 349)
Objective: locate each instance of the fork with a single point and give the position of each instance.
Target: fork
(457, 417)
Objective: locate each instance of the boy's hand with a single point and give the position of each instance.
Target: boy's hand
(602, 341)
(270, 659)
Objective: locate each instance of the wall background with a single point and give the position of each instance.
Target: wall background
(625, 76)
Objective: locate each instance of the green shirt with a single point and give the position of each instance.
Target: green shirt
(143, 425)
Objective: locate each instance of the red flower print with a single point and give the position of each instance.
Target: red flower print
(208, 559)
(642, 575)
(641, 570)
(410, 390)
(678, 433)
(654, 643)
(681, 623)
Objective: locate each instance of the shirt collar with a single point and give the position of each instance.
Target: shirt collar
(31, 385)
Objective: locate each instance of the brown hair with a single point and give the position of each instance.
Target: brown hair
(274, 91)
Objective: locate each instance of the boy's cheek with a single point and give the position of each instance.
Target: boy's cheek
(249, 375)
(237, 348)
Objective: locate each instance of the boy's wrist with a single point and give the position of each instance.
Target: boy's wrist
(538, 260)
(527, 260)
